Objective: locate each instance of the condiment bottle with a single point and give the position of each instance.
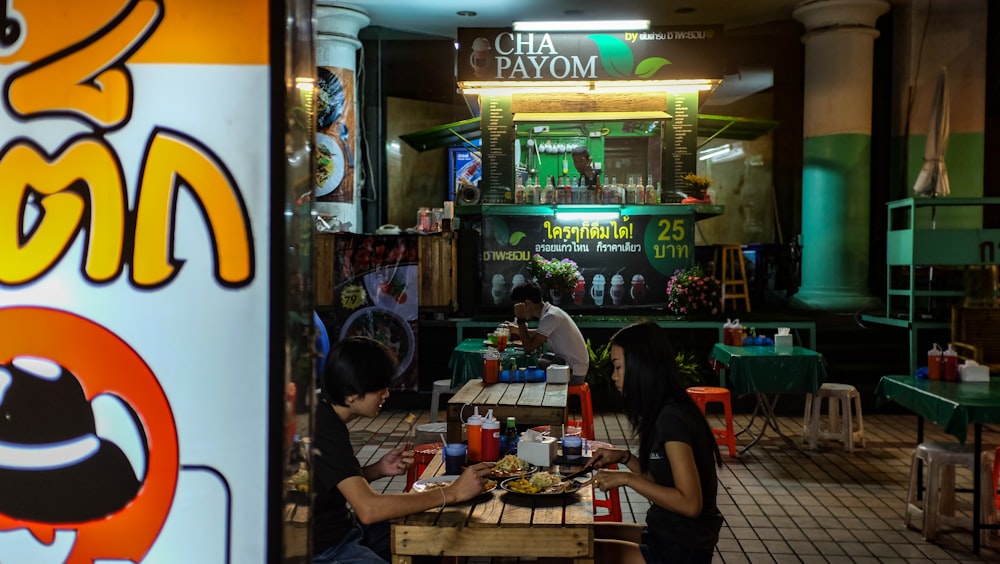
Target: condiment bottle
(474, 430)
(509, 438)
(934, 362)
(949, 364)
(491, 438)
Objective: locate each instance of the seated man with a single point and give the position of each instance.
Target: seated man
(555, 327)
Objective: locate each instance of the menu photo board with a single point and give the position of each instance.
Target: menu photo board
(625, 262)
(136, 283)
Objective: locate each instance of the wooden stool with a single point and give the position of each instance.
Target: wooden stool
(422, 456)
(840, 398)
(704, 395)
(582, 391)
(732, 274)
(939, 504)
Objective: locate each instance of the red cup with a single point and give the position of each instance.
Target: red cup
(501, 342)
(491, 369)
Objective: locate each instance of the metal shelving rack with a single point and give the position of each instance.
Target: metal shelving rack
(929, 244)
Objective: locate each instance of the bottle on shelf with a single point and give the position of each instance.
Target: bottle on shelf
(611, 192)
(650, 196)
(474, 432)
(630, 190)
(519, 192)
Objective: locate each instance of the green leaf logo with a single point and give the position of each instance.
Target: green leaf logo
(617, 58)
(516, 237)
(648, 67)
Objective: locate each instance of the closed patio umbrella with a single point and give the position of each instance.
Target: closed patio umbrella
(933, 178)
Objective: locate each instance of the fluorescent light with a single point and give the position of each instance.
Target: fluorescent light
(585, 215)
(591, 25)
(508, 87)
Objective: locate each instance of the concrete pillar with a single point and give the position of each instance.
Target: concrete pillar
(337, 43)
(837, 151)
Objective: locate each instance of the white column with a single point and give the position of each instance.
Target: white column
(337, 43)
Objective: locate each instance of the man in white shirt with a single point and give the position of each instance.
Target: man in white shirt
(555, 327)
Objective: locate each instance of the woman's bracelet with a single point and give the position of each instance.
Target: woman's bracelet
(627, 458)
(444, 498)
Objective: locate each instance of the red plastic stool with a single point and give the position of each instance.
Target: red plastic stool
(422, 456)
(582, 391)
(612, 503)
(704, 395)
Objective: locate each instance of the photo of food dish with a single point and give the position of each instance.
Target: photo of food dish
(386, 327)
(329, 165)
(329, 98)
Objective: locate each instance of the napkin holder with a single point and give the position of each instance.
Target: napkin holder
(557, 374)
(783, 343)
(972, 371)
(540, 451)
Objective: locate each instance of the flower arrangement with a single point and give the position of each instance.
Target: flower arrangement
(693, 290)
(556, 274)
(697, 184)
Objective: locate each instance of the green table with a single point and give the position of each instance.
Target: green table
(954, 406)
(466, 361)
(767, 374)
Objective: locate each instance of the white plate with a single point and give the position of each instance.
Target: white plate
(440, 482)
(385, 326)
(337, 156)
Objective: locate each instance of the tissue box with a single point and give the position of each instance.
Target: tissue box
(557, 374)
(783, 342)
(974, 373)
(540, 453)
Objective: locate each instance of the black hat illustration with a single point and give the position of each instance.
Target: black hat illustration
(53, 466)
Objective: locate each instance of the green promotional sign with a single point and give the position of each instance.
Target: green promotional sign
(625, 261)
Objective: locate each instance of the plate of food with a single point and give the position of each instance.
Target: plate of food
(386, 327)
(445, 481)
(511, 466)
(540, 484)
(329, 165)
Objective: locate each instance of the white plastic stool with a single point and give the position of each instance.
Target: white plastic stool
(844, 424)
(939, 504)
(440, 387)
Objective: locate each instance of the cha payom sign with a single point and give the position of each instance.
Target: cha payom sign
(135, 160)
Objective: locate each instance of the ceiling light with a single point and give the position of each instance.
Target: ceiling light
(585, 214)
(466, 13)
(502, 88)
(590, 25)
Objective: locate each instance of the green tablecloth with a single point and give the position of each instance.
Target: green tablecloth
(952, 405)
(466, 361)
(762, 370)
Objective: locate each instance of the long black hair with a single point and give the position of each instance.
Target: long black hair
(357, 366)
(651, 379)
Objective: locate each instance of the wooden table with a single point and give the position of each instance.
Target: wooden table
(529, 404)
(953, 406)
(499, 524)
(767, 374)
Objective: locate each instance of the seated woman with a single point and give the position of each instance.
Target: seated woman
(675, 466)
(355, 384)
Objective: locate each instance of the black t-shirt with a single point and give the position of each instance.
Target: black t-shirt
(678, 422)
(333, 462)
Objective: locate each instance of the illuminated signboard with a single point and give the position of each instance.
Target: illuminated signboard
(135, 281)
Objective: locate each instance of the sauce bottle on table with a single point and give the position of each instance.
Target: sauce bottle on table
(491, 438)
(509, 438)
(474, 430)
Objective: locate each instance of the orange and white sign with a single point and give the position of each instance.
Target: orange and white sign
(135, 167)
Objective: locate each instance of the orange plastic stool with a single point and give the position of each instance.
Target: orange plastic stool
(582, 391)
(612, 503)
(704, 395)
(422, 456)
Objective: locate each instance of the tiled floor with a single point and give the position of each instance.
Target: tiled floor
(782, 505)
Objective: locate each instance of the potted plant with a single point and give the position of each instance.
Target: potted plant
(693, 291)
(602, 386)
(559, 277)
(697, 189)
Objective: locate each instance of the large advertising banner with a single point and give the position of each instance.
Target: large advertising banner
(625, 262)
(135, 197)
(376, 295)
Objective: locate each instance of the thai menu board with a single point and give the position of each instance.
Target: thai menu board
(625, 262)
(135, 281)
